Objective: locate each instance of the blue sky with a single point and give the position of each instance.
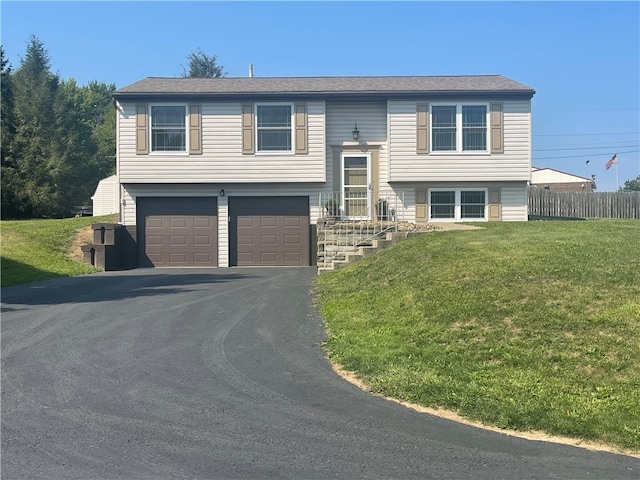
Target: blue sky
(582, 58)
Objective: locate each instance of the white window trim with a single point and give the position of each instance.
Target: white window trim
(459, 150)
(458, 206)
(342, 185)
(292, 128)
(184, 152)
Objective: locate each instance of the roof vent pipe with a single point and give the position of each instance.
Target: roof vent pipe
(251, 70)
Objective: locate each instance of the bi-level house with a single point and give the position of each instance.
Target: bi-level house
(236, 171)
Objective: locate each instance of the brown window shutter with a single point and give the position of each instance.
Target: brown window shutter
(495, 205)
(302, 146)
(195, 130)
(497, 128)
(248, 134)
(422, 128)
(142, 130)
(421, 206)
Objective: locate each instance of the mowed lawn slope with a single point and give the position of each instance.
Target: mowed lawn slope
(524, 326)
(38, 249)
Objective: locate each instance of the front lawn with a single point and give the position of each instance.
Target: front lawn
(524, 326)
(38, 249)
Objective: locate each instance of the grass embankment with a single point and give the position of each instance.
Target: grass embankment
(38, 249)
(524, 326)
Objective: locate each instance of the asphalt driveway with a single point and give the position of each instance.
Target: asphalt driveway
(220, 373)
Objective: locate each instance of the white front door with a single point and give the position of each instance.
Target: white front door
(356, 185)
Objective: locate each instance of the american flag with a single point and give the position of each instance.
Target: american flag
(610, 163)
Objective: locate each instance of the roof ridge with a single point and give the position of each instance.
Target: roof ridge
(324, 77)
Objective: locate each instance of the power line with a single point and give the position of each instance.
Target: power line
(583, 134)
(581, 156)
(581, 148)
(602, 144)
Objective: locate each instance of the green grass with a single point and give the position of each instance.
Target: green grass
(34, 250)
(525, 326)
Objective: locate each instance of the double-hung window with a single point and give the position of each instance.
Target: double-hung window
(459, 128)
(168, 128)
(458, 204)
(273, 124)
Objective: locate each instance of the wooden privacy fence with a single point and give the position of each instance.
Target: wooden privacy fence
(545, 203)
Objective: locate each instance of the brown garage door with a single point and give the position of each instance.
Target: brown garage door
(269, 231)
(177, 232)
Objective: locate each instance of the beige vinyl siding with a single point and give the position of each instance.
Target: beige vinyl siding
(372, 124)
(515, 203)
(370, 117)
(222, 159)
(223, 231)
(406, 165)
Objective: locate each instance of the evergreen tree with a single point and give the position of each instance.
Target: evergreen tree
(35, 90)
(58, 139)
(8, 174)
(202, 65)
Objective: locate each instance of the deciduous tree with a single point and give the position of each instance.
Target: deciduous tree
(632, 185)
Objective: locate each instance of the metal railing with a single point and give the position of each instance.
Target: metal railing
(351, 221)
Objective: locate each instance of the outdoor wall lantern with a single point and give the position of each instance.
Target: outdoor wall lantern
(222, 192)
(355, 132)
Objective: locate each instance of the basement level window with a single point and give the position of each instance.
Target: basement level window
(457, 204)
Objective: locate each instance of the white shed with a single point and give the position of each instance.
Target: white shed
(106, 199)
(552, 179)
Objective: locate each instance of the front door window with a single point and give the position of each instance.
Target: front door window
(356, 186)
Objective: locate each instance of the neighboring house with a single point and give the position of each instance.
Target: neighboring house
(106, 199)
(557, 181)
(235, 171)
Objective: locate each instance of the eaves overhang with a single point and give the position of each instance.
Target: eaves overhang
(357, 96)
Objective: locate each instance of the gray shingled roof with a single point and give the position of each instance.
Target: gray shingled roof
(324, 85)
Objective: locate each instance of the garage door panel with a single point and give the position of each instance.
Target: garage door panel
(292, 240)
(155, 240)
(245, 222)
(269, 258)
(177, 231)
(178, 258)
(178, 241)
(202, 222)
(268, 240)
(268, 222)
(269, 231)
(245, 240)
(292, 222)
(202, 259)
(246, 258)
(202, 241)
(154, 222)
(178, 222)
(292, 258)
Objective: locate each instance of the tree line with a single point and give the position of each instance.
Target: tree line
(58, 138)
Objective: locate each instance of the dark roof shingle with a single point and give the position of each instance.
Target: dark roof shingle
(323, 85)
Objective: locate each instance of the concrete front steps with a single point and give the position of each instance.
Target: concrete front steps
(345, 255)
